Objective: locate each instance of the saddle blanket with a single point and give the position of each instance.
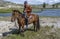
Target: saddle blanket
(30, 17)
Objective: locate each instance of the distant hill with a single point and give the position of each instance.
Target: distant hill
(57, 3)
(5, 3)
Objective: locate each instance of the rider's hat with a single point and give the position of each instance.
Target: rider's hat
(25, 2)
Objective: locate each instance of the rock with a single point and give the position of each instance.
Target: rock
(1, 34)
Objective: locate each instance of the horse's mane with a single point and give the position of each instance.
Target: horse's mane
(17, 11)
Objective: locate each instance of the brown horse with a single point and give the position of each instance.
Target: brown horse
(21, 20)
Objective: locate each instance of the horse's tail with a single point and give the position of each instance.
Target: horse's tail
(38, 23)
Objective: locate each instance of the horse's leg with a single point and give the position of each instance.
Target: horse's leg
(19, 29)
(34, 25)
(22, 28)
(38, 24)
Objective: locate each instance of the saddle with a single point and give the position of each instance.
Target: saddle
(26, 17)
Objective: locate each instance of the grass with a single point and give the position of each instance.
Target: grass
(34, 10)
(8, 10)
(43, 33)
(20, 9)
(5, 10)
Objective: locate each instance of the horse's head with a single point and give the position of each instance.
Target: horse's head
(15, 15)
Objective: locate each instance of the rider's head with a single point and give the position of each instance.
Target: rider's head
(25, 3)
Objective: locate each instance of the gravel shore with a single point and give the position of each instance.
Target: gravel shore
(6, 25)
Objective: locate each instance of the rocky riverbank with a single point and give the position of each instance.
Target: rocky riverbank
(6, 25)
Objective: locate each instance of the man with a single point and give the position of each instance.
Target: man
(27, 10)
(25, 15)
(25, 5)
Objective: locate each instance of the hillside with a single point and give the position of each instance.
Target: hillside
(5, 3)
(57, 3)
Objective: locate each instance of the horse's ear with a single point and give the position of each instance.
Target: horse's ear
(19, 12)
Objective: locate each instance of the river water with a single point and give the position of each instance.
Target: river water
(47, 12)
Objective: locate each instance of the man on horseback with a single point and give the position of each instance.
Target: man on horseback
(27, 11)
(27, 19)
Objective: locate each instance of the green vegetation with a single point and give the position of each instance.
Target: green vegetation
(5, 10)
(8, 10)
(20, 9)
(36, 8)
(44, 33)
(44, 5)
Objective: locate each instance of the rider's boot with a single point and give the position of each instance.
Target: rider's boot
(26, 22)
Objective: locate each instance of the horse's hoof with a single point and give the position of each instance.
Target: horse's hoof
(22, 30)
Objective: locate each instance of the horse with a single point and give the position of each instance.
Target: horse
(16, 14)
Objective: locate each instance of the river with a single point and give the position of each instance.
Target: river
(47, 12)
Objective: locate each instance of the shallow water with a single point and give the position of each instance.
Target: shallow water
(47, 12)
(50, 12)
